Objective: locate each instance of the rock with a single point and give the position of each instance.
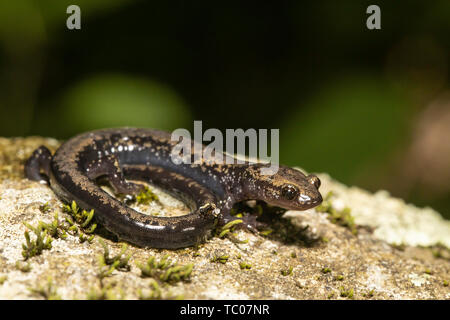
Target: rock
(379, 248)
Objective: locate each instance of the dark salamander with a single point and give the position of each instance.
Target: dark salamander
(210, 189)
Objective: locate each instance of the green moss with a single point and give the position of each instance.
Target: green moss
(220, 258)
(165, 270)
(440, 251)
(177, 273)
(107, 292)
(346, 293)
(46, 291)
(46, 232)
(340, 217)
(227, 230)
(35, 247)
(234, 239)
(109, 264)
(231, 224)
(24, 267)
(266, 232)
(55, 229)
(259, 209)
(245, 266)
(436, 253)
(3, 279)
(223, 233)
(445, 283)
(44, 208)
(83, 218)
(369, 294)
(154, 292)
(399, 246)
(287, 272)
(326, 270)
(339, 277)
(146, 196)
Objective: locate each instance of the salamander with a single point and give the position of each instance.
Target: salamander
(122, 155)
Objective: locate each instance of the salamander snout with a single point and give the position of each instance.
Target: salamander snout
(293, 190)
(309, 195)
(309, 200)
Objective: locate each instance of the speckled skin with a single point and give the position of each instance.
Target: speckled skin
(210, 189)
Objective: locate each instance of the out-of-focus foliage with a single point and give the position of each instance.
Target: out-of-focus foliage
(353, 123)
(114, 101)
(348, 101)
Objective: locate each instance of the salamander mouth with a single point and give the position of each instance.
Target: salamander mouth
(307, 202)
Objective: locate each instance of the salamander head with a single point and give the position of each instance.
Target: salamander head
(290, 189)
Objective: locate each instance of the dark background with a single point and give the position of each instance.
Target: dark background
(370, 107)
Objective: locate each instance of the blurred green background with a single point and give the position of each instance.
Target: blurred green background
(372, 108)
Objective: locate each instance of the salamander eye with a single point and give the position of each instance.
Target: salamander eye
(289, 192)
(312, 179)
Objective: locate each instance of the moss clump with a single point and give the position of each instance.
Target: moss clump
(287, 272)
(440, 251)
(154, 292)
(109, 264)
(228, 227)
(46, 291)
(54, 229)
(346, 293)
(325, 239)
(369, 294)
(341, 217)
(3, 279)
(35, 247)
(220, 258)
(146, 196)
(165, 270)
(82, 218)
(106, 292)
(228, 231)
(44, 208)
(245, 266)
(266, 232)
(326, 270)
(24, 267)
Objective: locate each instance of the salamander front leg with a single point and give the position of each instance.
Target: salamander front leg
(38, 162)
(249, 221)
(109, 166)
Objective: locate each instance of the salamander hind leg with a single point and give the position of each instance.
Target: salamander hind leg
(39, 162)
(109, 166)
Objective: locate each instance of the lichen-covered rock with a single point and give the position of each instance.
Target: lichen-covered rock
(378, 248)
